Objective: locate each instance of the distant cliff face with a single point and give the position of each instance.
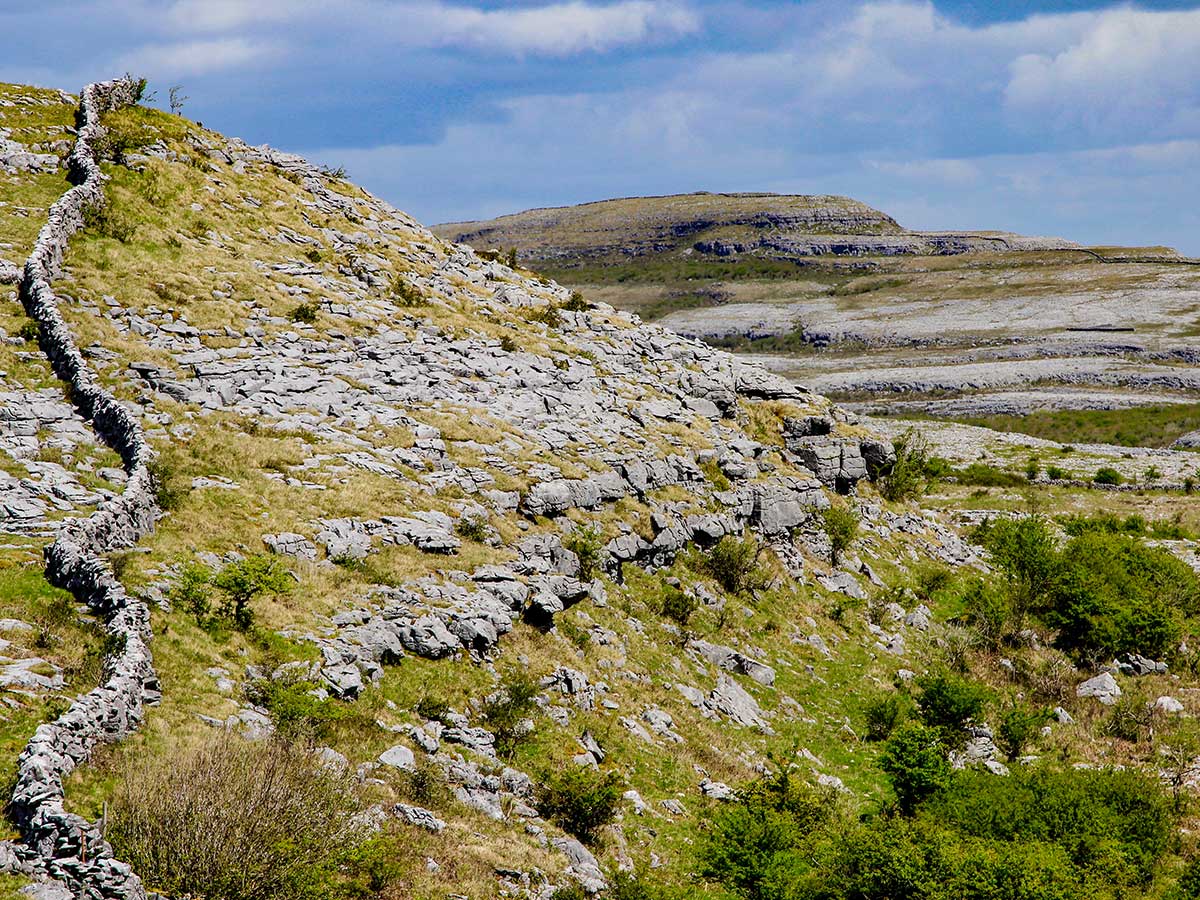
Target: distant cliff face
(769, 225)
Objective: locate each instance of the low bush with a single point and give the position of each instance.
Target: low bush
(983, 475)
(506, 714)
(949, 703)
(1018, 725)
(1107, 475)
(734, 563)
(305, 312)
(580, 800)
(171, 489)
(916, 764)
(841, 527)
(407, 295)
(296, 709)
(883, 713)
(576, 303)
(1038, 834)
(1130, 719)
(472, 528)
(587, 543)
(678, 605)
(1116, 595)
(235, 820)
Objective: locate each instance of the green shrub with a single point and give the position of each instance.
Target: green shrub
(305, 312)
(734, 563)
(914, 469)
(170, 488)
(433, 709)
(548, 315)
(949, 703)
(883, 713)
(192, 591)
(916, 764)
(712, 471)
(988, 610)
(407, 295)
(746, 843)
(1017, 727)
(1107, 475)
(1056, 473)
(1038, 834)
(246, 580)
(1115, 595)
(110, 222)
(1130, 719)
(234, 820)
(425, 784)
(295, 709)
(580, 800)
(1025, 552)
(506, 714)
(472, 528)
(576, 303)
(1033, 468)
(841, 527)
(29, 331)
(587, 543)
(1076, 525)
(678, 605)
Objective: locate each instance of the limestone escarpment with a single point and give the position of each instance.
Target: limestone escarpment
(720, 226)
(57, 843)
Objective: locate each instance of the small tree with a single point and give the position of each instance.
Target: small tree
(914, 468)
(841, 526)
(178, 98)
(1107, 475)
(915, 762)
(247, 579)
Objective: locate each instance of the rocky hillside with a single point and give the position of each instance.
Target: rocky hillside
(343, 561)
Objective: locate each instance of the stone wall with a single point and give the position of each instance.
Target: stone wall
(58, 844)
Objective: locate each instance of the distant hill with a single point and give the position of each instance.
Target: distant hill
(772, 226)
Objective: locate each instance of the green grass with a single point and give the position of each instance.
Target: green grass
(1140, 426)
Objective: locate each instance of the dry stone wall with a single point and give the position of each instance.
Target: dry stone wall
(58, 844)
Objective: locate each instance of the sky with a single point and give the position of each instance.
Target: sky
(1073, 118)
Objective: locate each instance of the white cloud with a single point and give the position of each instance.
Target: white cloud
(555, 29)
(196, 57)
(223, 15)
(558, 29)
(1130, 69)
(936, 171)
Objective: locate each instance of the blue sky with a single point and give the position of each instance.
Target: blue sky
(1074, 118)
